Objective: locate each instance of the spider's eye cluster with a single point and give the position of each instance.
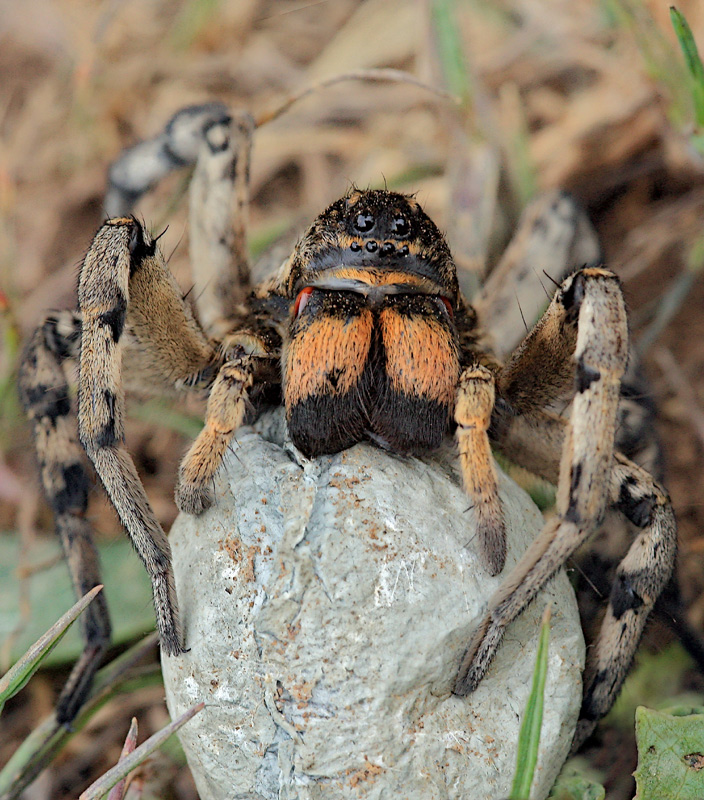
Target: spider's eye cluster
(364, 223)
(399, 226)
(384, 249)
(378, 229)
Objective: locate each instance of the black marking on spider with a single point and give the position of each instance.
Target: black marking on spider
(585, 376)
(60, 343)
(107, 436)
(49, 403)
(74, 495)
(637, 509)
(139, 248)
(572, 514)
(624, 597)
(115, 318)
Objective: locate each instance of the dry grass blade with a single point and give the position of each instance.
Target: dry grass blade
(678, 382)
(126, 765)
(118, 791)
(370, 75)
(672, 300)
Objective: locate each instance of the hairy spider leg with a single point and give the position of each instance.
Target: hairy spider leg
(123, 272)
(45, 395)
(588, 310)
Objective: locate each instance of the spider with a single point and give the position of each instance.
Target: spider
(363, 334)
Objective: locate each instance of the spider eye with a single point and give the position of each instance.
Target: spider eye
(364, 223)
(400, 226)
(302, 301)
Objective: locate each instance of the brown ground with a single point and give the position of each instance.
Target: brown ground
(79, 80)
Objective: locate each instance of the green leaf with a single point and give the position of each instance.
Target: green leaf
(127, 589)
(17, 678)
(655, 676)
(529, 737)
(682, 711)
(573, 786)
(692, 60)
(670, 756)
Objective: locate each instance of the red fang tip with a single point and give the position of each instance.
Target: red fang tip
(302, 301)
(448, 306)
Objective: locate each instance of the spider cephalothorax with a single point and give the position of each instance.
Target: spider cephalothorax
(364, 335)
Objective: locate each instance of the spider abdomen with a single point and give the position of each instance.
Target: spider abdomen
(354, 370)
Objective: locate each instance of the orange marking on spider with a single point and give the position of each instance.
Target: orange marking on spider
(325, 346)
(421, 356)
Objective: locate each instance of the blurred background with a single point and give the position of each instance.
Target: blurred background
(587, 95)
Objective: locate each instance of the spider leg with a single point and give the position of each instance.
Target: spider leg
(475, 400)
(227, 405)
(139, 168)
(123, 279)
(219, 200)
(45, 395)
(588, 303)
(640, 578)
(219, 143)
(553, 231)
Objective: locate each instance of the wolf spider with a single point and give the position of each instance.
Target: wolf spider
(363, 334)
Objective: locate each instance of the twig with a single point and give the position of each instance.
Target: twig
(373, 75)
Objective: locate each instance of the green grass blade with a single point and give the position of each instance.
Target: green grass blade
(692, 60)
(125, 765)
(529, 737)
(43, 744)
(18, 676)
(450, 51)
